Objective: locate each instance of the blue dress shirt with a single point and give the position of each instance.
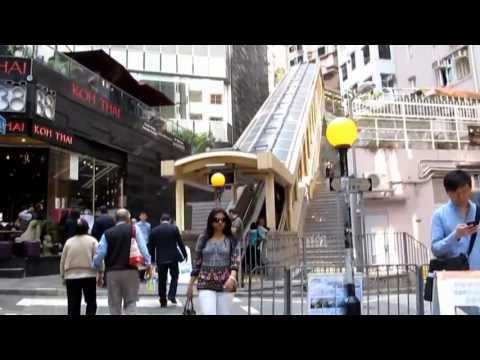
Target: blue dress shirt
(444, 240)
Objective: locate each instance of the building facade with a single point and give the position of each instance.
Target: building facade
(200, 81)
(325, 54)
(365, 63)
(74, 145)
(408, 66)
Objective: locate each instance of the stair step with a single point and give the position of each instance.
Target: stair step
(12, 273)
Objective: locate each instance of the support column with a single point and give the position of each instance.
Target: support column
(289, 204)
(270, 201)
(180, 204)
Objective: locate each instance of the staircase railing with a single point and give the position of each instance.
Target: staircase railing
(397, 248)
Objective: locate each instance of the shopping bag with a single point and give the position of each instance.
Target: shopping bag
(136, 259)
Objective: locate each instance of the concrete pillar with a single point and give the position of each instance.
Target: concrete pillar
(270, 201)
(180, 204)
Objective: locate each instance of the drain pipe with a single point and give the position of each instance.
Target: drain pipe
(474, 68)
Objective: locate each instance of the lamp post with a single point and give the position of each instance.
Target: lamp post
(342, 134)
(218, 182)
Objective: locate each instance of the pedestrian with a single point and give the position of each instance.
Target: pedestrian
(76, 270)
(24, 218)
(168, 250)
(262, 237)
(237, 224)
(252, 242)
(122, 279)
(71, 224)
(216, 266)
(453, 224)
(145, 228)
(102, 223)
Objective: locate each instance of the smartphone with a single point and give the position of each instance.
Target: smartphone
(472, 223)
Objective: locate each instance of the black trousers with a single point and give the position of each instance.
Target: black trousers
(75, 288)
(162, 280)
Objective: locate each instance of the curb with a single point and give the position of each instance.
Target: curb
(63, 292)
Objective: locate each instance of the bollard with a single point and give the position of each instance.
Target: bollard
(420, 290)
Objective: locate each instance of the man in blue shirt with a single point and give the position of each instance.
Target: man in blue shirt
(122, 279)
(145, 228)
(450, 232)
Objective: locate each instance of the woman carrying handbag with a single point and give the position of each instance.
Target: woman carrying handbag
(216, 266)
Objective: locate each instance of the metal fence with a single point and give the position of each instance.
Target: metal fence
(387, 289)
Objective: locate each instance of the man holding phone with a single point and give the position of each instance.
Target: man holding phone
(454, 223)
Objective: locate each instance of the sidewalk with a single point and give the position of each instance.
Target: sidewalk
(52, 286)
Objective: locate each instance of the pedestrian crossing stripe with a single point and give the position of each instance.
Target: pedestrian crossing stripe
(101, 302)
(253, 311)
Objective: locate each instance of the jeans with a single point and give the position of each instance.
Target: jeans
(162, 280)
(215, 303)
(75, 287)
(123, 285)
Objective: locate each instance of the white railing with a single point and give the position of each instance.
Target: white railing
(416, 122)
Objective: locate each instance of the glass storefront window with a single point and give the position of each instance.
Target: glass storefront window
(135, 59)
(119, 53)
(185, 64)
(169, 63)
(81, 182)
(217, 51)
(152, 61)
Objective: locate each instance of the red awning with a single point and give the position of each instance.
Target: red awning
(108, 68)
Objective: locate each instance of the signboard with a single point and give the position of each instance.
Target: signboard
(93, 99)
(350, 184)
(3, 125)
(16, 127)
(52, 135)
(16, 69)
(456, 293)
(474, 135)
(326, 293)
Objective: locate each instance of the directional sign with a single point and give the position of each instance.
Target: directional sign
(350, 184)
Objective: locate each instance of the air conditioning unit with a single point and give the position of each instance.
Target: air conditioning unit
(379, 181)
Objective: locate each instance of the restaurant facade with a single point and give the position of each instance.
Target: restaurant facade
(73, 140)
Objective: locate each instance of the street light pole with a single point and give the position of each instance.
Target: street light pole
(341, 134)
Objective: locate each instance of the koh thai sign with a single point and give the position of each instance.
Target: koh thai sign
(15, 68)
(48, 133)
(90, 97)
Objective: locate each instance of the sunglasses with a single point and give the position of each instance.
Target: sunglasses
(219, 220)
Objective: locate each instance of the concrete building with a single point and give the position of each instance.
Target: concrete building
(409, 66)
(406, 145)
(277, 65)
(215, 88)
(437, 65)
(326, 54)
(364, 63)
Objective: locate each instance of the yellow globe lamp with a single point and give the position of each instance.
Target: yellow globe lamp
(342, 133)
(218, 180)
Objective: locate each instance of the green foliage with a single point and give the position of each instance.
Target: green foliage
(198, 142)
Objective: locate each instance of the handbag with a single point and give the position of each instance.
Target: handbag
(136, 259)
(189, 309)
(456, 263)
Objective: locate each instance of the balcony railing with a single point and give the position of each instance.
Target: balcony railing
(412, 121)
